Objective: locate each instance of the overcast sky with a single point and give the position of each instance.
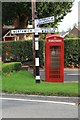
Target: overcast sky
(71, 18)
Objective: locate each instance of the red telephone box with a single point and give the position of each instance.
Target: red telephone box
(54, 58)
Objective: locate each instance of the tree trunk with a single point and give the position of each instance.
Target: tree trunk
(21, 22)
(21, 37)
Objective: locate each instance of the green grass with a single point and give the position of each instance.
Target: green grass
(24, 82)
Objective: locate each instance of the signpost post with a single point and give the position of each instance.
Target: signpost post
(36, 36)
(36, 32)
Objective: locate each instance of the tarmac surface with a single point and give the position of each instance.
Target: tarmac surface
(70, 75)
(37, 106)
(41, 97)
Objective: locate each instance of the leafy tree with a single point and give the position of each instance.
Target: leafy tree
(56, 9)
(19, 13)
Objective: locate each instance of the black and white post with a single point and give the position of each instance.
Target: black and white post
(36, 35)
(36, 30)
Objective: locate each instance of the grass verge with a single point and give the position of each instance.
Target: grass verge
(24, 82)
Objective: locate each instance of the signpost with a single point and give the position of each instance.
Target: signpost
(36, 32)
(46, 20)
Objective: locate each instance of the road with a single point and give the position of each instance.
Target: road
(35, 107)
(72, 75)
(69, 75)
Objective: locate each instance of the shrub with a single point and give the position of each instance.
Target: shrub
(72, 51)
(10, 67)
(20, 51)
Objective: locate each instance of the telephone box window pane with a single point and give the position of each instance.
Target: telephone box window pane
(54, 76)
(54, 57)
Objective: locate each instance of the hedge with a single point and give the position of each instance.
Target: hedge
(72, 51)
(22, 51)
(19, 50)
(10, 67)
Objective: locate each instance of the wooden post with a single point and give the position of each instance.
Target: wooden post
(33, 15)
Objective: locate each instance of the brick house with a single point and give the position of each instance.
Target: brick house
(74, 32)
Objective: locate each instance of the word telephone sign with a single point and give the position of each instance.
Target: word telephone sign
(54, 58)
